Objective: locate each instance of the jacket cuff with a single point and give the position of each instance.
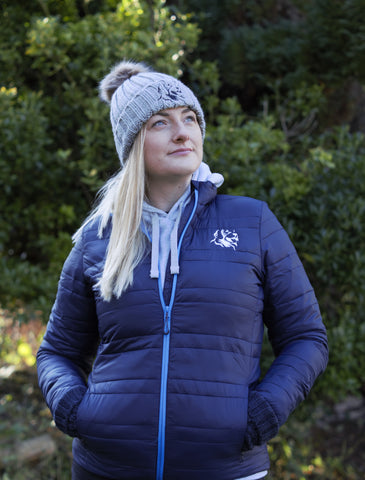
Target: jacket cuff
(262, 422)
(65, 414)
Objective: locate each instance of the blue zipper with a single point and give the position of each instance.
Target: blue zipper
(165, 355)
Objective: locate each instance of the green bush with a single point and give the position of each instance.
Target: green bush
(264, 46)
(57, 147)
(55, 135)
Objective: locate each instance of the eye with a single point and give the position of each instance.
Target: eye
(158, 123)
(191, 118)
(155, 123)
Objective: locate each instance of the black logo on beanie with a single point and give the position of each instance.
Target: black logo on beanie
(168, 92)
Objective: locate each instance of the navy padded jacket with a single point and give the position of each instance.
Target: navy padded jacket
(166, 384)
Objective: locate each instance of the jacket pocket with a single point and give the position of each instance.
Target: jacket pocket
(207, 427)
(66, 410)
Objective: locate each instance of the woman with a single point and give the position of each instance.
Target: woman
(151, 355)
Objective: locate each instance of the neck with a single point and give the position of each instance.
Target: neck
(164, 196)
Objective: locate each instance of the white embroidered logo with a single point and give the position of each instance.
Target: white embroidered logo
(225, 238)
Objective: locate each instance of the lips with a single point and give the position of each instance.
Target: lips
(181, 151)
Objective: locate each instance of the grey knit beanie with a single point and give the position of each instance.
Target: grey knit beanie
(135, 93)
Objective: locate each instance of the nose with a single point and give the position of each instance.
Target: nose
(180, 134)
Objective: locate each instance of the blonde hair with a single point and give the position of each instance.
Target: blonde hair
(122, 196)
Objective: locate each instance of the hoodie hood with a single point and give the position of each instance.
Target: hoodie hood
(203, 174)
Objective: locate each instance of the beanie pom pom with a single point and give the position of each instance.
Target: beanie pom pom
(119, 74)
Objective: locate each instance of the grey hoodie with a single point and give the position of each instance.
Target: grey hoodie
(161, 228)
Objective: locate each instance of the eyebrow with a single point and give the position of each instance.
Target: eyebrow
(166, 114)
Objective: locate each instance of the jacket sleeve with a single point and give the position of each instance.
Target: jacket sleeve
(296, 333)
(65, 356)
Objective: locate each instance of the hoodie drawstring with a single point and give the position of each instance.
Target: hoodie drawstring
(174, 267)
(155, 272)
(155, 240)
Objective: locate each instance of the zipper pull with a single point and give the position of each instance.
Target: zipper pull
(166, 328)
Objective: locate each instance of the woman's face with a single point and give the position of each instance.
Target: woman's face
(173, 147)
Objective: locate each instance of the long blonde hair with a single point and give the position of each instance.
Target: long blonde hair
(122, 196)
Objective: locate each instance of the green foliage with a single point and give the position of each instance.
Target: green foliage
(240, 148)
(31, 238)
(264, 77)
(259, 54)
(333, 41)
(302, 451)
(55, 136)
(329, 232)
(266, 45)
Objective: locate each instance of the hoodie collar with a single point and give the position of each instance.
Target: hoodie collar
(162, 230)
